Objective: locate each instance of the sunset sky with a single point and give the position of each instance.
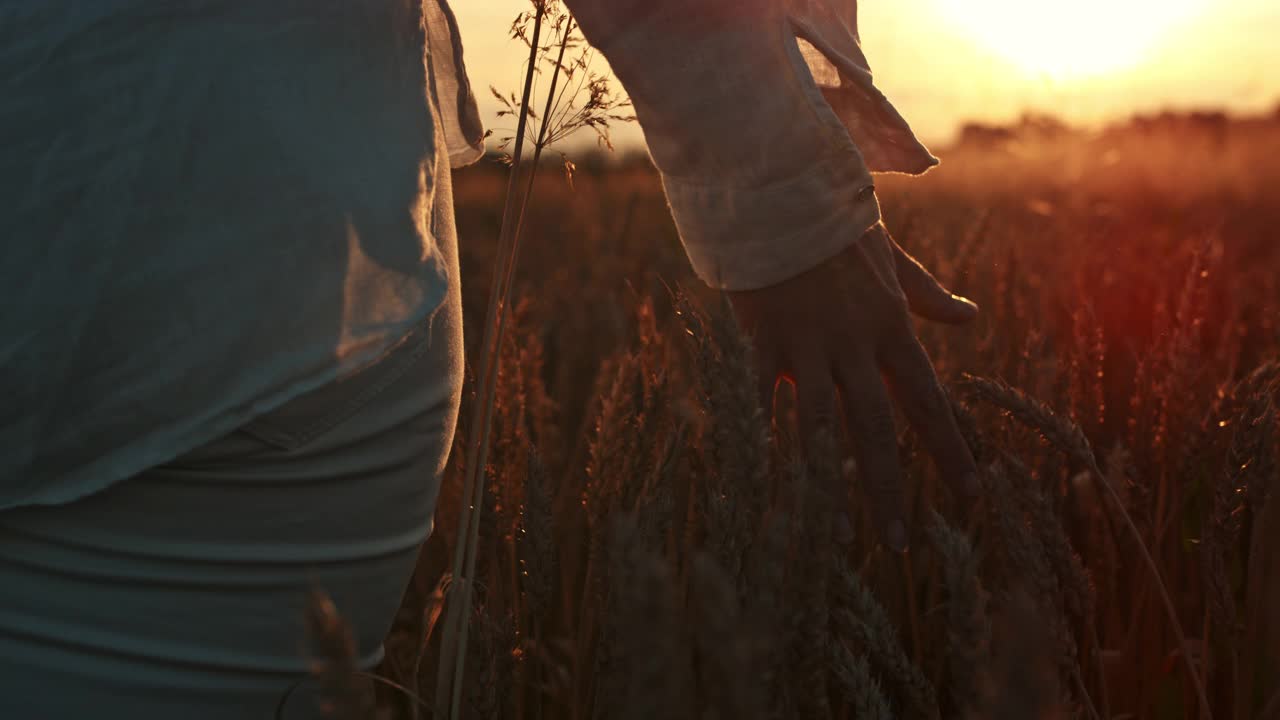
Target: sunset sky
(946, 61)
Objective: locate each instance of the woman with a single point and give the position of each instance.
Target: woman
(231, 341)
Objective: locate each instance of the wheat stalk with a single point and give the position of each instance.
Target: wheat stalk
(1025, 686)
(535, 540)
(725, 648)
(736, 441)
(648, 633)
(968, 627)
(810, 588)
(1067, 437)
(860, 687)
(863, 619)
(1027, 562)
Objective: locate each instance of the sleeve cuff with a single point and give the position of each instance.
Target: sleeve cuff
(746, 238)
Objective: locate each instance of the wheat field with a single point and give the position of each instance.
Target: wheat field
(651, 545)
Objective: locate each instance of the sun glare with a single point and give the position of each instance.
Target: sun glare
(1070, 39)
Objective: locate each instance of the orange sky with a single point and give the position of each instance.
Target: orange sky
(945, 61)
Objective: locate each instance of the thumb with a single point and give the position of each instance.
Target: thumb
(926, 296)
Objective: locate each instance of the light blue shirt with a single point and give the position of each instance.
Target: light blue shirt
(209, 208)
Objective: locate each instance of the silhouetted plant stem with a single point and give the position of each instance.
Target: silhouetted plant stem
(454, 642)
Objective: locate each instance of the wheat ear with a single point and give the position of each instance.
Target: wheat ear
(1070, 439)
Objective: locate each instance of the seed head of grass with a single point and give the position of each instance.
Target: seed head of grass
(968, 626)
(862, 621)
(859, 687)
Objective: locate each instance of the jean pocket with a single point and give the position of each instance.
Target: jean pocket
(307, 417)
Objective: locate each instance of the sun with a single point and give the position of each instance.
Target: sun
(1070, 39)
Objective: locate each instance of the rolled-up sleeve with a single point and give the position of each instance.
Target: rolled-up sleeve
(764, 178)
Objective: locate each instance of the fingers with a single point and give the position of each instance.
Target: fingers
(926, 296)
(816, 405)
(869, 416)
(817, 410)
(916, 388)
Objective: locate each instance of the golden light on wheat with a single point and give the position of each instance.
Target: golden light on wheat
(642, 540)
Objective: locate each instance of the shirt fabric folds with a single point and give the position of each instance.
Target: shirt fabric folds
(764, 121)
(210, 208)
(213, 207)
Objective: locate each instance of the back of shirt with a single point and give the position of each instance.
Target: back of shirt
(209, 207)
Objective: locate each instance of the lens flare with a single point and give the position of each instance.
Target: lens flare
(1070, 39)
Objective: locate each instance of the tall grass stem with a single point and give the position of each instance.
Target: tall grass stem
(454, 641)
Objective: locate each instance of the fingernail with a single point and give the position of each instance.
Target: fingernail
(896, 536)
(967, 302)
(970, 484)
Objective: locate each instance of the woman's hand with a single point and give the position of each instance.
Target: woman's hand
(843, 334)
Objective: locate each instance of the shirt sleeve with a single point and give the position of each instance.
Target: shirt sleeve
(763, 176)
